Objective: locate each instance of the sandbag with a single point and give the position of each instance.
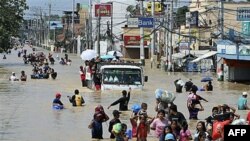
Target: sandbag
(164, 95)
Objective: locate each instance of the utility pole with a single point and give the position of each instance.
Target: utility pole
(87, 34)
(167, 32)
(98, 33)
(73, 14)
(90, 24)
(153, 35)
(142, 58)
(189, 43)
(171, 35)
(48, 38)
(111, 28)
(221, 5)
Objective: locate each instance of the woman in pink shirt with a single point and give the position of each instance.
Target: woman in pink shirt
(159, 123)
(185, 133)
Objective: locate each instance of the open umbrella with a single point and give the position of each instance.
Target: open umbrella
(206, 79)
(88, 54)
(107, 57)
(118, 53)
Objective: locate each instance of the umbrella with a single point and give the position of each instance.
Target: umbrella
(118, 53)
(206, 79)
(88, 54)
(107, 56)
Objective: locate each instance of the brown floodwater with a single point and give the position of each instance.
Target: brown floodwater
(26, 113)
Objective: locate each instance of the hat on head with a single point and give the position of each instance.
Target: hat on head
(116, 112)
(13, 72)
(169, 136)
(244, 93)
(58, 95)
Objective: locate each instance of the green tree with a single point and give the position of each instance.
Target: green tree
(181, 15)
(134, 11)
(11, 17)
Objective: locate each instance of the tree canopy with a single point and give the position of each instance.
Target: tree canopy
(181, 15)
(11, 17)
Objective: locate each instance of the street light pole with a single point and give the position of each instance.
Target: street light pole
(153, 35)
(73, 13)
(142, 58)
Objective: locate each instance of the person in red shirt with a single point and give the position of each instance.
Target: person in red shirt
(248, 118)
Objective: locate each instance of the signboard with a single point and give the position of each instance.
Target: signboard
(105, 10)
(243, 14)
(192, 19)
(132, 22)
(146, 22)
(133, 41)
(245, 29)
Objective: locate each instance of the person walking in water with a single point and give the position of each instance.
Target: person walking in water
(57, 102)
(123, 101)
(76, 99)
(13, 77)
(23, 76)
(83, 76)
(242, 102)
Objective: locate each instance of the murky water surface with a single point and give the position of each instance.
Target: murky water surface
(26, 113)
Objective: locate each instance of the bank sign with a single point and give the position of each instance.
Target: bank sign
(243, 14)
(143, 22)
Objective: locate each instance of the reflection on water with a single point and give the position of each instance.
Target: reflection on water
(26, 113)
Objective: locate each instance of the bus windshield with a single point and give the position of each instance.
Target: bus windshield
(122, 76)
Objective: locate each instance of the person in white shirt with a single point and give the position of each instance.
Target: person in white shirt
(13, 77)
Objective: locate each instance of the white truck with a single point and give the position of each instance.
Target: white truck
(121, 76)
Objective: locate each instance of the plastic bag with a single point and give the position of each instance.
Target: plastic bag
(117, 128)
(136, 108)
(164, 95)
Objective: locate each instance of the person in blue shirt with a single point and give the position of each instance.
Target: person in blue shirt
(242, 102)
(57, 102)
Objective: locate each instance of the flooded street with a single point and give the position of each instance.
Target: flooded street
(26, 113)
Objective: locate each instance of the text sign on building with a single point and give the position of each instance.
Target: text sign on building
(133, 41)
(146, 22)
(105, 10)
(243, 14)
(133, 22)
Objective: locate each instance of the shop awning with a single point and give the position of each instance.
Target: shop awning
(204, 56)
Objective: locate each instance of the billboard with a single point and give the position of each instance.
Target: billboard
(243, 14)
(133, 41)
(105, 10)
